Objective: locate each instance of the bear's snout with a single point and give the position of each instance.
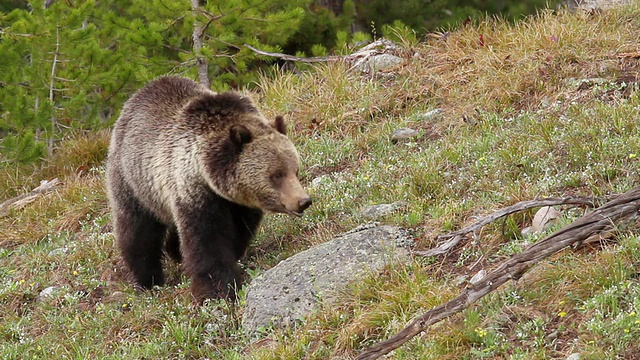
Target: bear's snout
(304, 203)
(297, 206)
(293, 199)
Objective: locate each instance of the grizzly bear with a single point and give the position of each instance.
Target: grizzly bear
(192, 171)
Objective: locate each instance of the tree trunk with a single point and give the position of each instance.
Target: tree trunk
(54, 121)
(198, 34)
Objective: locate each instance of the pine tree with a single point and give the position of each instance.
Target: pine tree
(71, 65)
(52, 63)
(229, 24)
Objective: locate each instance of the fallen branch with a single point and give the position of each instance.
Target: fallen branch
(625, 206)
(294, 58)
(377, 47)
(455, 236)
(22, 200)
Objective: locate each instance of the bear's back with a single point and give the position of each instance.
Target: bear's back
(150, 146)
(159, 103)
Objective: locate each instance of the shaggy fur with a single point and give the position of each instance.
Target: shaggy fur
(193, 170)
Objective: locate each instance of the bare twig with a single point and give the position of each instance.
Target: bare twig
(210, 16)
(15, 34)
(176, 49)
(63, 79)
(624, 206)
(22, 200)
(23, 84)
(51, 89)
(453, 238)
(257, 19)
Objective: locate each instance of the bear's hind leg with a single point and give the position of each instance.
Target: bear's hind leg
(138, 233)
(172, 245)
(140, 240)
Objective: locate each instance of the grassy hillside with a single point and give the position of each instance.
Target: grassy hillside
(544, 107)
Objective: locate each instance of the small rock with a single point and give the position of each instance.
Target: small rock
(584, 84)
(378, 62)
(404, 134)
(459, 280)
(116, 296)
(431, 113)
(544, 218)
(319, 180)
(574, 356)
(58, 251)
(376, 211)
(47, 293)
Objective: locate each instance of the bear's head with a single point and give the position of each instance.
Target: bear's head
(246, 159)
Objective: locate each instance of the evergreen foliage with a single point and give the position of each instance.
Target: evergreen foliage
(319, 29)
(71, 65)
(9, 5)
(431, 15)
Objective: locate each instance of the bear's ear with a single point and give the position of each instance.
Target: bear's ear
(204, 104)
(280, 126)
(239, 135)
(221, 104)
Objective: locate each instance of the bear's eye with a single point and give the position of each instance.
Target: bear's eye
(278, 175)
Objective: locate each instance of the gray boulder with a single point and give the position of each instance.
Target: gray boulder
(286, 293)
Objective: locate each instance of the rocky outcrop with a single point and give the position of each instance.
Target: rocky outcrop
(288, 292)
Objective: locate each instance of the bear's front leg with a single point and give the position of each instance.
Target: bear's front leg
(207, 235)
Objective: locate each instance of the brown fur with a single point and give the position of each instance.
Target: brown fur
(195, 170)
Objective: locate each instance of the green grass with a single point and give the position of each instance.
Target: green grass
(514, 123)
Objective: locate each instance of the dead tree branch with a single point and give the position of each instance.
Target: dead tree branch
(453, 238)
(294, 58)
(604, 218)
(22, 200)
(377, 47)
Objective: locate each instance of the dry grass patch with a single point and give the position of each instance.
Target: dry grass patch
(496, 65)
(334, 101)
(60, 210)
(77, 154)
